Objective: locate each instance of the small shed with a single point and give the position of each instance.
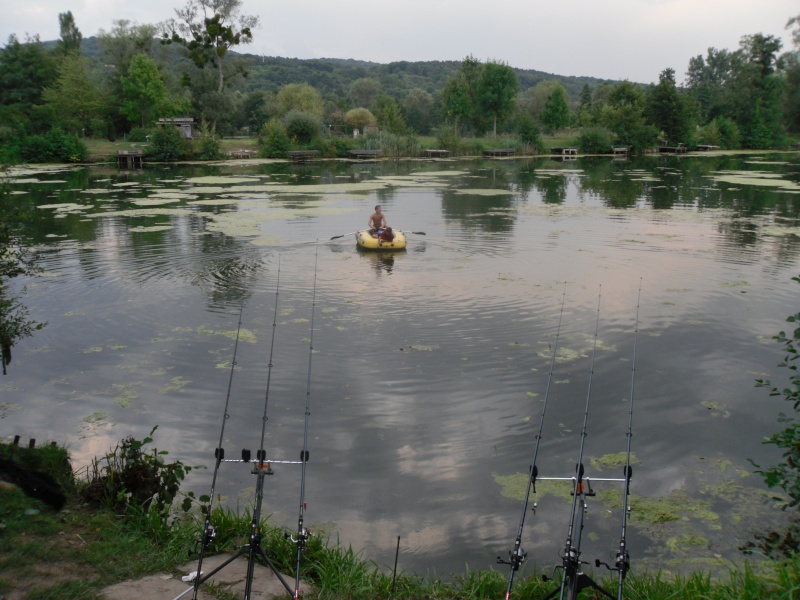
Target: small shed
(184, 124)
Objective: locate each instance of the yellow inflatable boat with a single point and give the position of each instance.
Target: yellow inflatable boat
(365, 240)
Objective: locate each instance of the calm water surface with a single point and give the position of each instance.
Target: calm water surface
(430, 367)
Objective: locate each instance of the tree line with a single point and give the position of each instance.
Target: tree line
(121, 81)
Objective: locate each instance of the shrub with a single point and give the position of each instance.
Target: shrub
(53, 146)
(207, 146)
(139, 134)
(167, 145)
(301, 125)
(448, 139)
(273, 140)
(332, 147)
(130, 478)
(595, 140)
(530, 135)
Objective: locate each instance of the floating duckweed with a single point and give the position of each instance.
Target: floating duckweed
(175, 384)
(93, 350)
(483, 192)
(717, 408)
(220, 180)
(684, 542)
(608, 461)
(126, 398)
(439, 173)
(245, 335)
(145, 229)
(96, 417)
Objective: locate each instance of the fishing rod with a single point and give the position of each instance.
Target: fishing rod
(302, 533)
(262, 468)
(210, 531)
(517, 556)
(573, 580)
(622, 562)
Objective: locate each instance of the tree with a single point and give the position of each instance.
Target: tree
(455, 102)
(417, 109)
(387, 112)
(791, 70)
(666, 109)
(145, 93)
(556, 111)
(301, 97)
(497, 87)
(624, 116)
(70, 34)
(707, 80)
(359, 117)
(364, 91)
(757, 92)
(209, 37)
(25, 70)
(73, 98)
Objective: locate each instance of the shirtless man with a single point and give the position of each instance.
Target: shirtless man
(377, 221)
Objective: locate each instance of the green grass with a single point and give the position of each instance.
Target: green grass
(74, 553)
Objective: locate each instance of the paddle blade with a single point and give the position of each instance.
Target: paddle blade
(418, 232)
(336, 237)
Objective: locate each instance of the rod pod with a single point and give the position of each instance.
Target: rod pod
(209, 531)
(622, 561)
(517, 556)
(302, 533)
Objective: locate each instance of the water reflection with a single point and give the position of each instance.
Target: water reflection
(414, 433)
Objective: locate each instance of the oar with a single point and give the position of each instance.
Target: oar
(336, 237)
(417, 232)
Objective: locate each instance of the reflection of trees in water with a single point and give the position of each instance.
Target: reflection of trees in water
(484, 213)
(15, 261)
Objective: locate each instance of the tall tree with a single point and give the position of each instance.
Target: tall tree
(387, 111)
(666, 109)
(25, 70)
(417, 109)
(73, 98)
(299, 96)
(757, 92)
(497, 89)
(209, 29)
(791, 69)
(707, 81)
(454, 102)
(556, 110)
(364, 91)
(145, 95)
(70, 34)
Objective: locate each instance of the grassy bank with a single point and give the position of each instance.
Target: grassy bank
(74, 552)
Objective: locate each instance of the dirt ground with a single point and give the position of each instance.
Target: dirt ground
(232, 577)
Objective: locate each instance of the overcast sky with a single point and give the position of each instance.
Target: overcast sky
(610, 39)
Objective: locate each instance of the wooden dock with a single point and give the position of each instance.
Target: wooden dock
(434, 153)
(500, 152)
(130, 159)
(706, 147)
(302, 156)
(619, 150)
(365, 154)
(565, 151)
(679, 149)
(241, 153)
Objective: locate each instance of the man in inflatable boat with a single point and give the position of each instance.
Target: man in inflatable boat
(378, 227)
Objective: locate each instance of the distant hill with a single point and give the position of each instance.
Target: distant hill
(333, 76)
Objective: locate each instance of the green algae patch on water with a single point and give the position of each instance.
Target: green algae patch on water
(143, 212)
(151, 228)
(483, 192)
(245, 335)
(221, 180)
(613, 461)
(176, 383)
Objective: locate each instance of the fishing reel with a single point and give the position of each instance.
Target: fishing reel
(208, 535)
(622, 563)
(302, 537)
(516, 557)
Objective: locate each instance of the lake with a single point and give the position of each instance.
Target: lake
(430, 367)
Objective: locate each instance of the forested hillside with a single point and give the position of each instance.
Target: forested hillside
(122, 81)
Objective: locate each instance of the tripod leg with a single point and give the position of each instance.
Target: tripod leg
(201, 580)
(585, 581)
(274, 569)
